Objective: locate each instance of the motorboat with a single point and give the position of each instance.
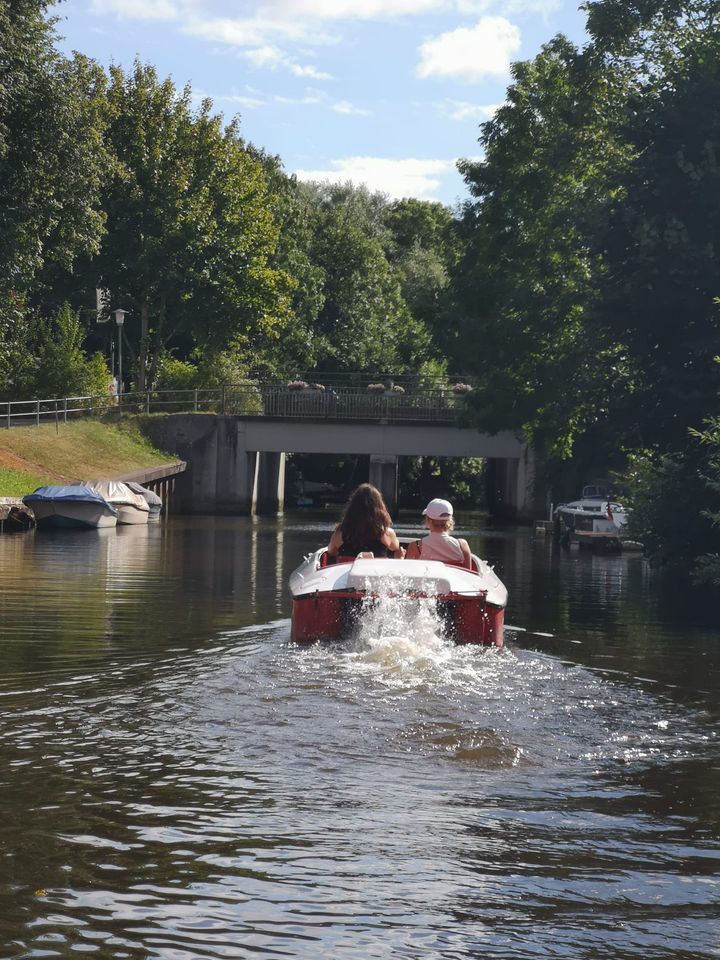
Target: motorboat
(132, 508)
(329, 598)
(595, 518)
(154, 502)
(72, 506)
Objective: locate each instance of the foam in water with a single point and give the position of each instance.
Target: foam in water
(399, 632)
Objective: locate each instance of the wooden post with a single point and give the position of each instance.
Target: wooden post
(195, 401)
(37, 413)
(147, 401)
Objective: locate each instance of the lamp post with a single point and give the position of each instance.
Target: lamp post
(120, 320)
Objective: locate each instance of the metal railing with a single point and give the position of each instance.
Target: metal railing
(439, 405)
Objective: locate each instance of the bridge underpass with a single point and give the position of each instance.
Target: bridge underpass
(236, 464)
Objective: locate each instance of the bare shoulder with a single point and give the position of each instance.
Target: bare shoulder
(389, 538)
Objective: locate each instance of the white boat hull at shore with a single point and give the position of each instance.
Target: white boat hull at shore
(132, 508)
(71, 507)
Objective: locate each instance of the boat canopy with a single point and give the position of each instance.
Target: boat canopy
(150, 496)
(76, 493)
(119, 493)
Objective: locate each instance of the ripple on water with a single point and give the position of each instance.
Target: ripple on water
(233, 795)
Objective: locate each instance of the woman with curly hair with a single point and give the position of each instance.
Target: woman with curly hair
(366, 527)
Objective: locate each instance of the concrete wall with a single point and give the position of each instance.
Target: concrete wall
(236, 465)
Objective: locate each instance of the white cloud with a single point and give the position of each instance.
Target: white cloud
(461, 110)
(310, 100)
(274, 58)
(397, 178)
(344, 106)
(471, 53)
(357, 9)
(138, 9)
(308, 71)
(250, 32)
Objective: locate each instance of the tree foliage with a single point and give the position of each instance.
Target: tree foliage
(52, 157)
(190, 231)
(62, 368)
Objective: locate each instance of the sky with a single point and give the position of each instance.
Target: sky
(389, 93)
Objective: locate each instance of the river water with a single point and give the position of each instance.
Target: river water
(178, 781)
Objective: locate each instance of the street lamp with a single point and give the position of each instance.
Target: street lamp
(120, 320)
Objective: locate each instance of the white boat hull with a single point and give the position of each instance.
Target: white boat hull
(327, 598)
(129, 514)
(92, 515)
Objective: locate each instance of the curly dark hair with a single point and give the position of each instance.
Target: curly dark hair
(366, 517)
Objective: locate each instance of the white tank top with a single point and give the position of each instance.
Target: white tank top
(441, 546)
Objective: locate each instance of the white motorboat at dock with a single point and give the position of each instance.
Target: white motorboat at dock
(131, 507)
(78, 505)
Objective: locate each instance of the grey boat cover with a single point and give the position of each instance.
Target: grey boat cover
(150, 496)
(119, 494)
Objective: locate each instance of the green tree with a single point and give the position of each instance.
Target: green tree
(526, 291)
(52, 157)
(660, 287)
(294, 344)
(425, 249)
(62, 367)
(364, 322)
(190, 234)
(17, 361)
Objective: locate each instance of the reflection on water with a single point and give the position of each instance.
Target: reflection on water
(178, 781)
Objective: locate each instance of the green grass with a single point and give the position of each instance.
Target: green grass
(81, 450)
(16, 483)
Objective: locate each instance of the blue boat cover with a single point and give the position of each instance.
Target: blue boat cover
(72, 494)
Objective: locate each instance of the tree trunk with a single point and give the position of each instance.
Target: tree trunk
(158, 344)
(143, 355)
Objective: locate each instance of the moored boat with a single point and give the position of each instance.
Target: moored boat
(329, 598)
(132, 508)
(595, 520)
(154, 502)
(72, 506)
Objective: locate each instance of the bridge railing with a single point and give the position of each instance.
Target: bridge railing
(344, 402)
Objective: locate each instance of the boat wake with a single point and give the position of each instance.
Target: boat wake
(399, 631)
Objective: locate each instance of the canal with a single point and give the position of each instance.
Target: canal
(178, 781)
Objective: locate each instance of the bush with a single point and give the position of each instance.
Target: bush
(62, 368)
(209, 372)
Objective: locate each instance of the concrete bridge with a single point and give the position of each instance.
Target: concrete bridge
(236, 463)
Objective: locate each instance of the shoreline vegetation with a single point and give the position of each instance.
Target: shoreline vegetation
(86, 450)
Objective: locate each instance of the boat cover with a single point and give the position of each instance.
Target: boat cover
(150, 496)
(77, 493)
(120, 494)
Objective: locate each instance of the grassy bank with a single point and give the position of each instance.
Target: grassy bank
(83, 450)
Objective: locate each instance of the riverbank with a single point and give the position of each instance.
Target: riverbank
(68, 452)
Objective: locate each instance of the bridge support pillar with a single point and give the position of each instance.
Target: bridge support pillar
(384, 476)
(513, 492)
(236, 472)
(271, 483)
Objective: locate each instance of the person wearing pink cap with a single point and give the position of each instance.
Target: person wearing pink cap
(438, 544)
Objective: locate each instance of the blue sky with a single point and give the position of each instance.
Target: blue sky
(383, 92)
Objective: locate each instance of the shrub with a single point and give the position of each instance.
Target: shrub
(63, 370)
